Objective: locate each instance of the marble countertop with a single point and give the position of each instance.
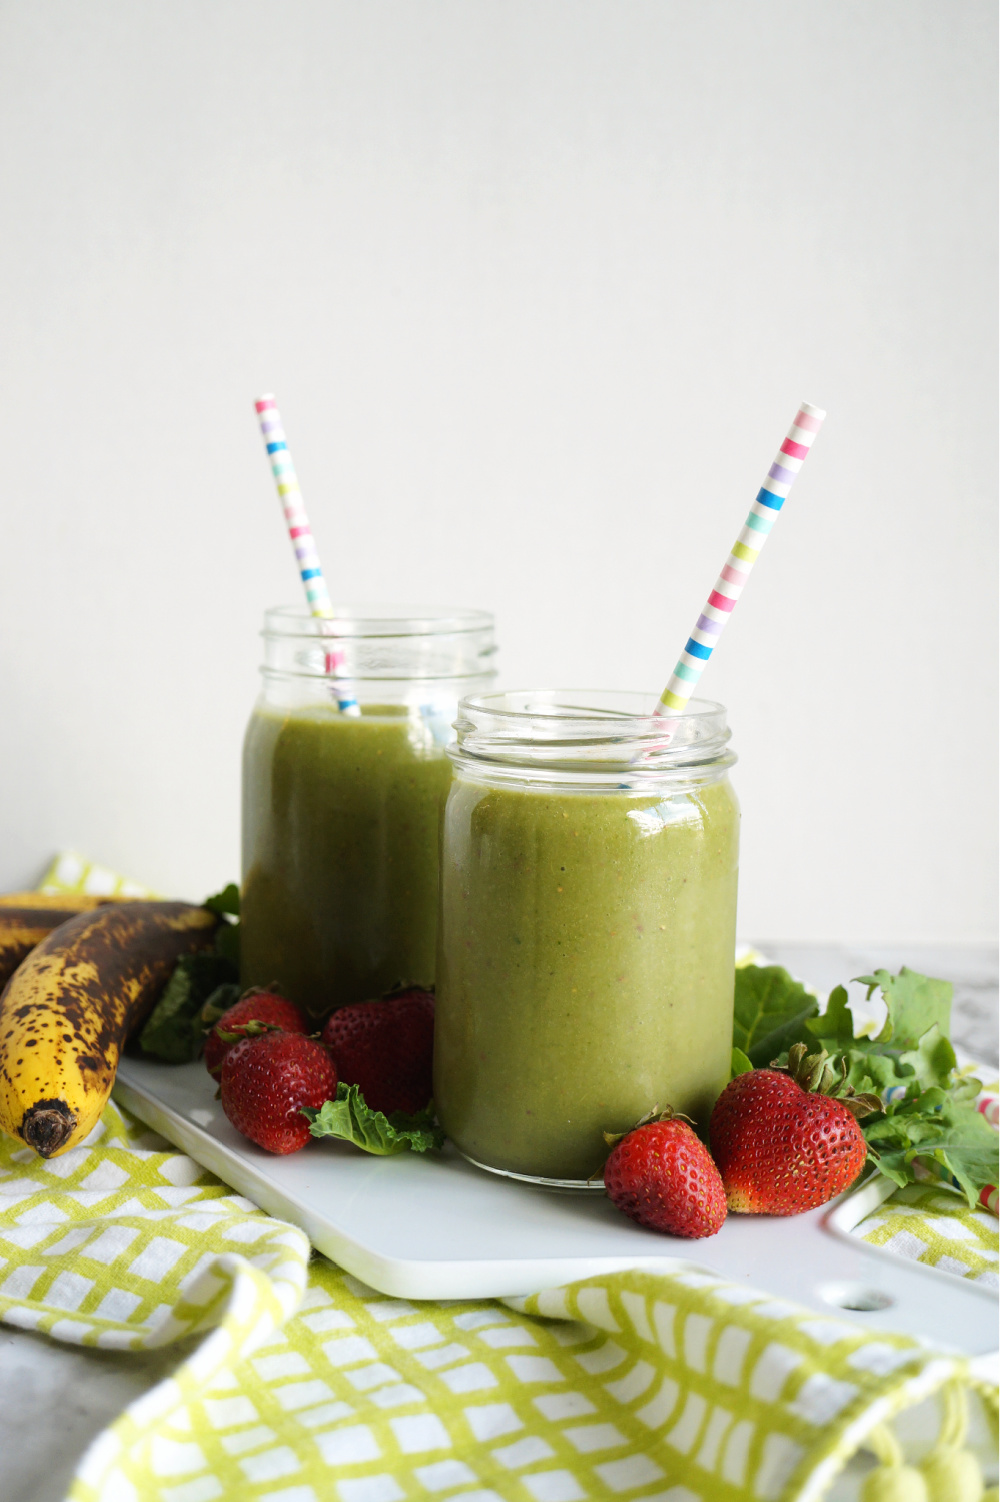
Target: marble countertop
(54, 1399)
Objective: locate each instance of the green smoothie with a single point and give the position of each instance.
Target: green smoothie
(341, 828)
(585, 967)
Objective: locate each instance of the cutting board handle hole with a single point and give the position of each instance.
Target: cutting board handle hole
(855, 1296)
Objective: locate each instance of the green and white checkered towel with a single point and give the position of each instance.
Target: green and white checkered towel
(307, 1386)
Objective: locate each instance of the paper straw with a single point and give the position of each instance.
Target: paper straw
(729, 585)
(299, 529)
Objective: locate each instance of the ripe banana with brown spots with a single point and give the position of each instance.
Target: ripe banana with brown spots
(26, 918)
(68, 1009)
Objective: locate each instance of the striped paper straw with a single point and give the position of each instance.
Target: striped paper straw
(299, 529)
(729, 585)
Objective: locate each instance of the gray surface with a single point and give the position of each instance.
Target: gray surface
(55, 1399)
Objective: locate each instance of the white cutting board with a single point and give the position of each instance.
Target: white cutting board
(433, 1227)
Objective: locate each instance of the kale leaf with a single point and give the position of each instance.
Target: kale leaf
(349, 1118)
(175, 1032)
(771, 1011)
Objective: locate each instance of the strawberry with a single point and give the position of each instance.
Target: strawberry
(266, 1080)
(782, 1147)
(256, 1006)
(386, 1048)
(661, 1175)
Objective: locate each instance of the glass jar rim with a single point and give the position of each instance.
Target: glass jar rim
(557, 704)
(375, 620)
(591, 734)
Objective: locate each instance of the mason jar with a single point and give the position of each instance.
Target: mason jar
(588, 924)
(345, 776)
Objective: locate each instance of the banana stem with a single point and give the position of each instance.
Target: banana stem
(47, 1126)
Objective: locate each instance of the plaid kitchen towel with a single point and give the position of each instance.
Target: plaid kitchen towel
(299, 1384)
(930, 1223)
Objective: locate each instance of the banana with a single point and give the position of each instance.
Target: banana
(69, 1007)
(25, 919)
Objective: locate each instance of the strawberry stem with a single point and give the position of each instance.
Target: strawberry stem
(667, 1114)
(252, 1029)
(816, 1073)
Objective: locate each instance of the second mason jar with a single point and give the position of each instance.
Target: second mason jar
(588, 920)
(342, 810)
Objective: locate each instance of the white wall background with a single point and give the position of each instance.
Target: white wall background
(538, 284)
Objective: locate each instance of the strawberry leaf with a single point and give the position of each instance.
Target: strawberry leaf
(771, 1010)
(349, 1118)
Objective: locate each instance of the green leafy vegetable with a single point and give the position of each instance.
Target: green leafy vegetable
(349, 1118)
(226, 902)
(740, 1064)
(912, 1044)
(837, 1022)
(227, 943)
(770, 1014)
(915, 1003)
(928, 1117)
(935, 1128)
(227, 937)
(174, 1031)
(221, 999)
(932, 1060)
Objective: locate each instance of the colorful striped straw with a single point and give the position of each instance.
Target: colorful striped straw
(729, 585)
(299, 529)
